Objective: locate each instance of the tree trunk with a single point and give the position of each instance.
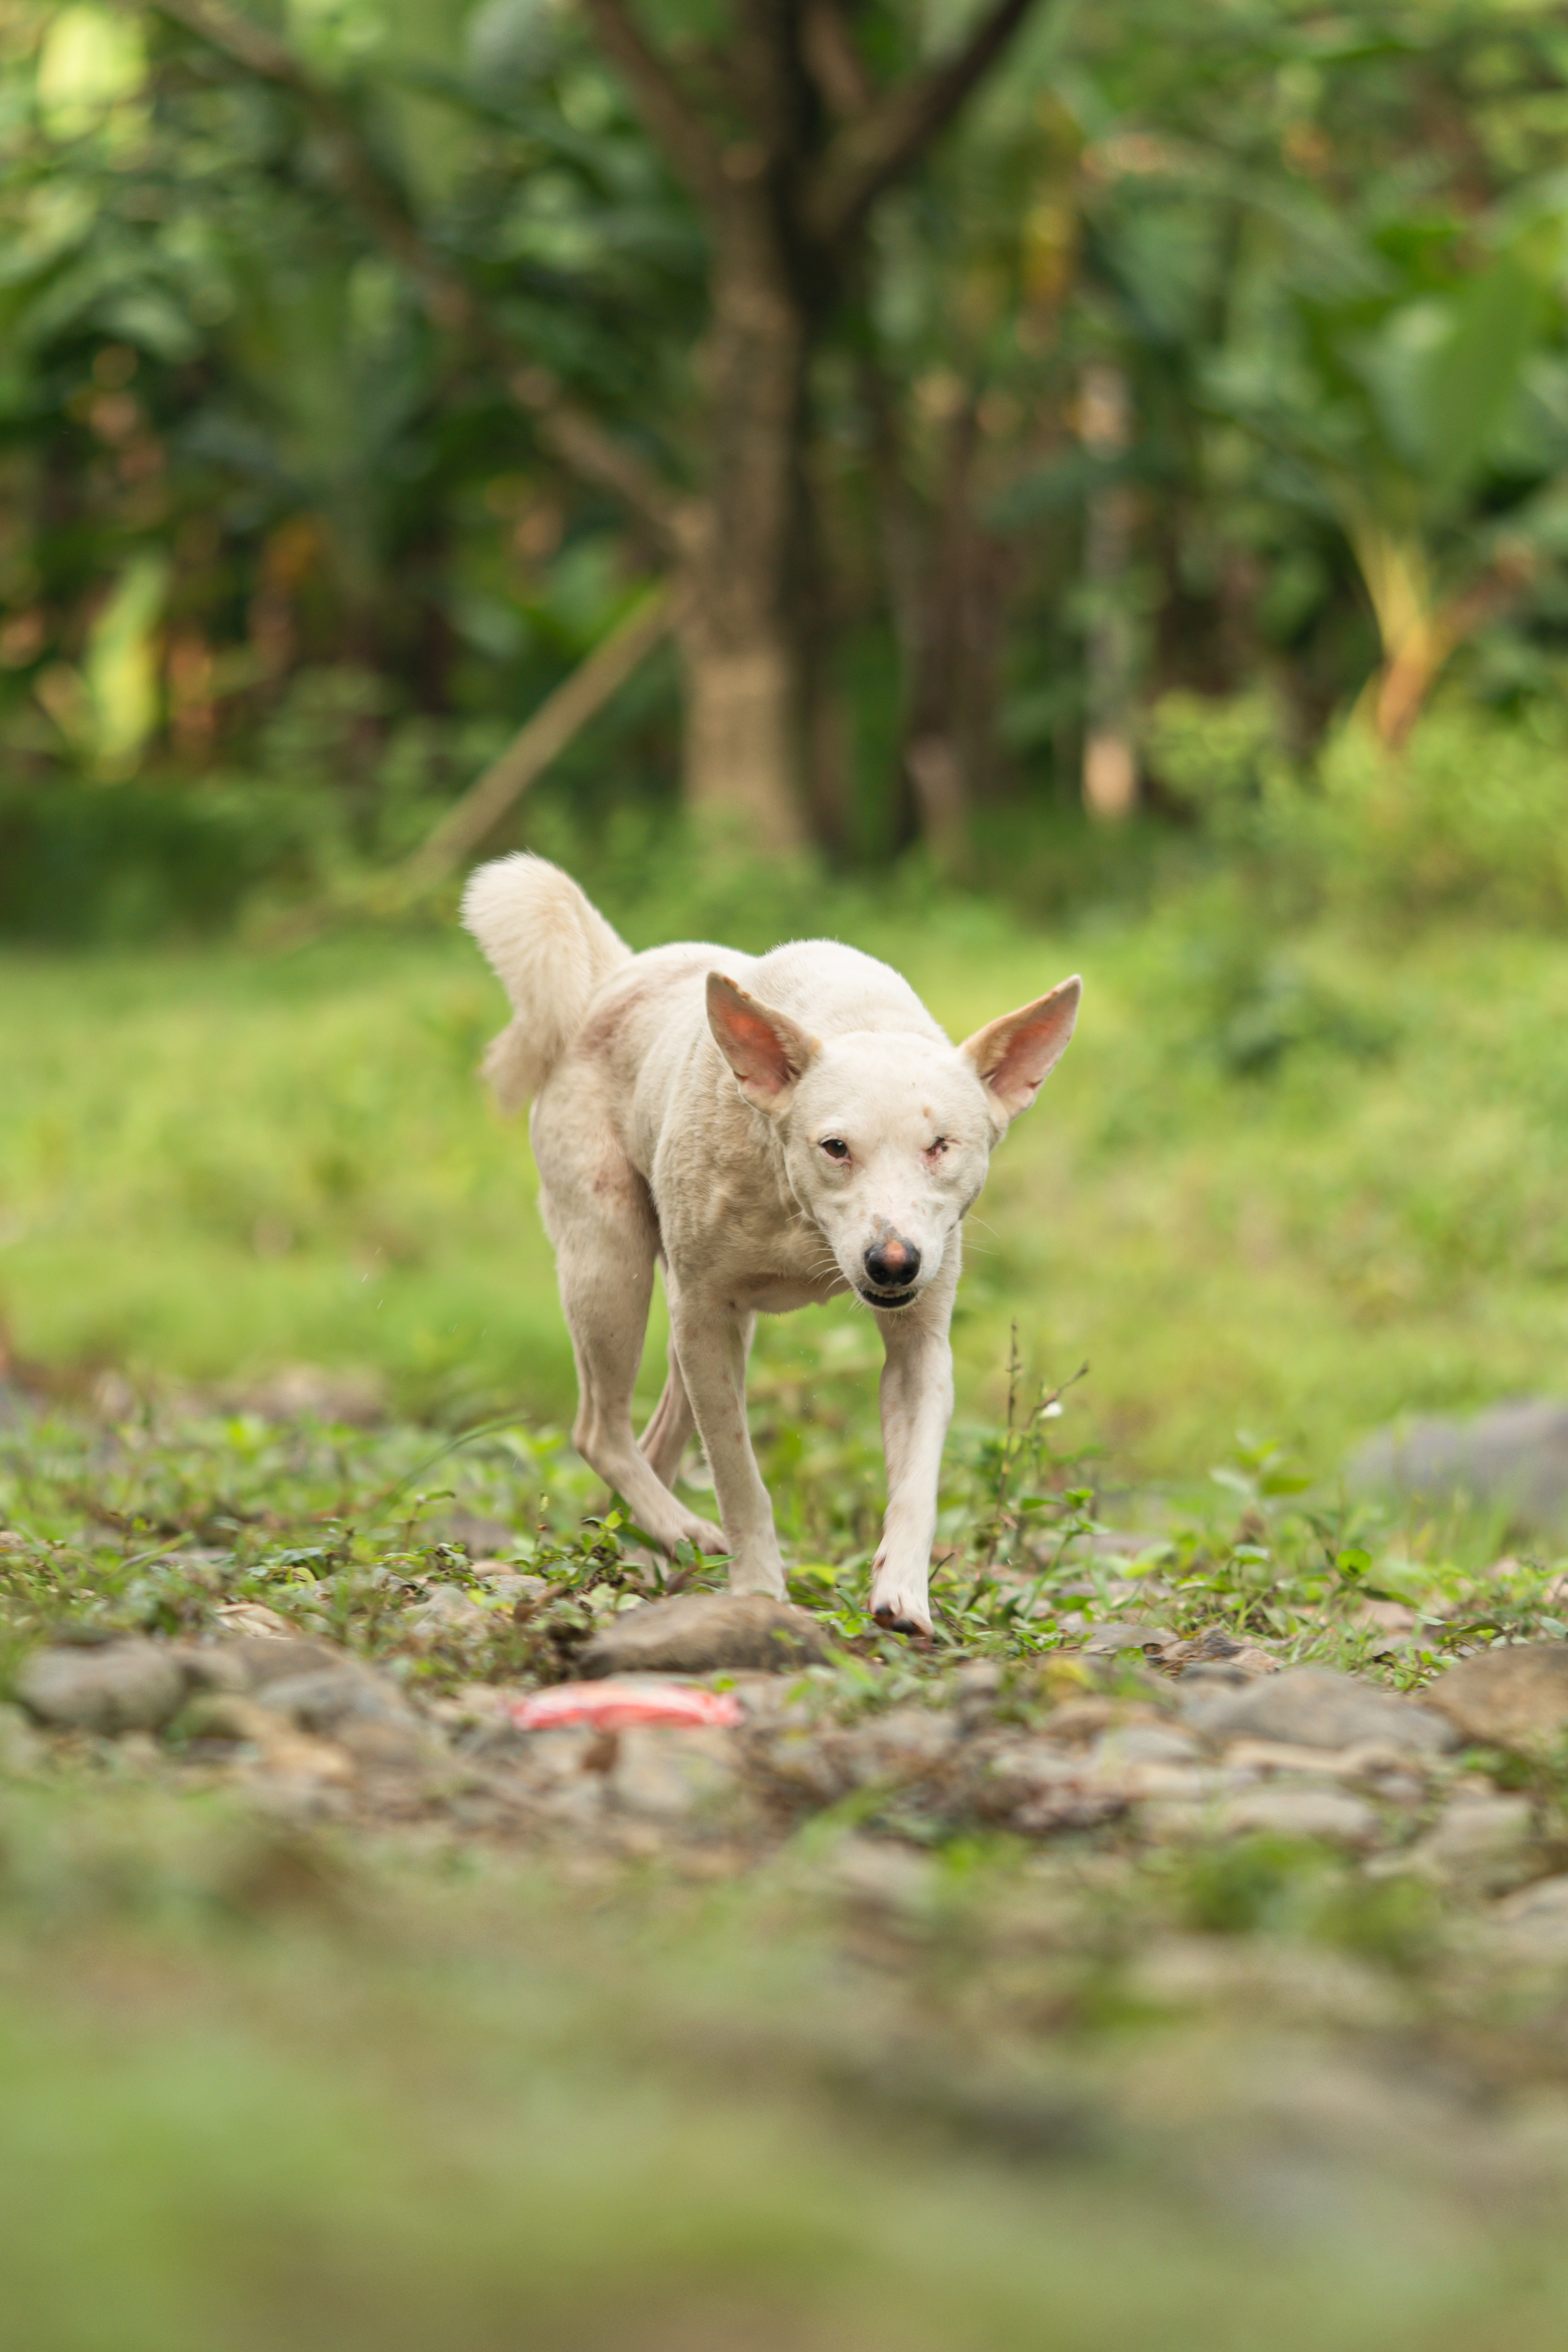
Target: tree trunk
(1110, 761)
(747, 632)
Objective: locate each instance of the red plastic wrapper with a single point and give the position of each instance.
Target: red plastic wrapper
(615, 1706)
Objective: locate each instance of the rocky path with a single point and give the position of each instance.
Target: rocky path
(1246, 1851)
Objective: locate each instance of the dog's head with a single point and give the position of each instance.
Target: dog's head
(887, 1135)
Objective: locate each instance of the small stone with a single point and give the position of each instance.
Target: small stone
(1314, 1707)
(1174, 1821)
(1105, 1641)
(1240, 1660)
(684, 1778)
(1513, 1695)
(1210, 1674)
(1371, 1760)
(871, 1874)
(131, 1685)
(447, 1613)
(258, 1659)
(255, 1618)
(1144, 1743)
(1139, 1783)
(520, 1591)
(1485, 1844)
(908, 1743)
(1037, 1790)
(210, 1666)
(227, 1715)
(706, 1632)
(1382, 1617)
(1326, 1814)
(1079, 1720)
(334, 1696)
(1535, 1920)
(388, 1743)
(138, 1751)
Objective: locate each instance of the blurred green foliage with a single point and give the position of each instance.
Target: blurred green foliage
(282, 559)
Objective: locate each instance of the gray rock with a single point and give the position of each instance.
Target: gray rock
(908, 1743)
(1328, 1814)
(1313, 1707)
(1512, 1696)
(823, 1762)
(1513, 1457)
(449, 1614)
(706, 1632)
(131, 1685)
(1105, 1641)
(1034, 1787)
(1143, 1743)
(333, 1697)
(1483, 1845)
(1535, 1920)
(1216, 1652)
(669, 1774)
(258, 1659)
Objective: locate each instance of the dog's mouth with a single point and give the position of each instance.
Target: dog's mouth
(887, 1298)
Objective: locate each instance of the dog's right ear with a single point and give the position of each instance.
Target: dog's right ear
(766, 1050)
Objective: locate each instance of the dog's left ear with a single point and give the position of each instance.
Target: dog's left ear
(766, 1050)
(1016, 1054)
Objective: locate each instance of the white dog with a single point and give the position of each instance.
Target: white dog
(774, 1131)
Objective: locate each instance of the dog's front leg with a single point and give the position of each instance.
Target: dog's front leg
(917, 1405)
(711, 1341)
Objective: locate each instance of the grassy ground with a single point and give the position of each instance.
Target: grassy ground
(874, 2085)
(1291, 1180)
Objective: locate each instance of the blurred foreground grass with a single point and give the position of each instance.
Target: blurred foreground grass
(257, 2094)
(1296, 1178)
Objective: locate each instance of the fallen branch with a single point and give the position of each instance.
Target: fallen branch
(559, 718)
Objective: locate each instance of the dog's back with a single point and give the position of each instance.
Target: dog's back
(555, 953)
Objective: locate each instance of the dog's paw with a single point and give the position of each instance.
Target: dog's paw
(705, 1535)
(893, 1621)
(898, 1609)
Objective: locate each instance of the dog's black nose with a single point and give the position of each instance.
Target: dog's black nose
(893, 1265)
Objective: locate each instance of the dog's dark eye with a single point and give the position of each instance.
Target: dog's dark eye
(934, 1150)
(836, 1147)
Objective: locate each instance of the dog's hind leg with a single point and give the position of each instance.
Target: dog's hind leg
(671, 1426)
(606, 1239)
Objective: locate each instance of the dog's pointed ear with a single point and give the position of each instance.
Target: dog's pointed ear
(766, 1050)
(1015, 1055)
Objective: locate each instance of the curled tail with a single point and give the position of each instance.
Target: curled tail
(551, 951)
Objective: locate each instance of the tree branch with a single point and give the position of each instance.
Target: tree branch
(584, 446)
(869, 153)
(832, 60)
(560, 716)
(678, 128)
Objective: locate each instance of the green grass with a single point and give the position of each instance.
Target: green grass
(1293, 1181)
